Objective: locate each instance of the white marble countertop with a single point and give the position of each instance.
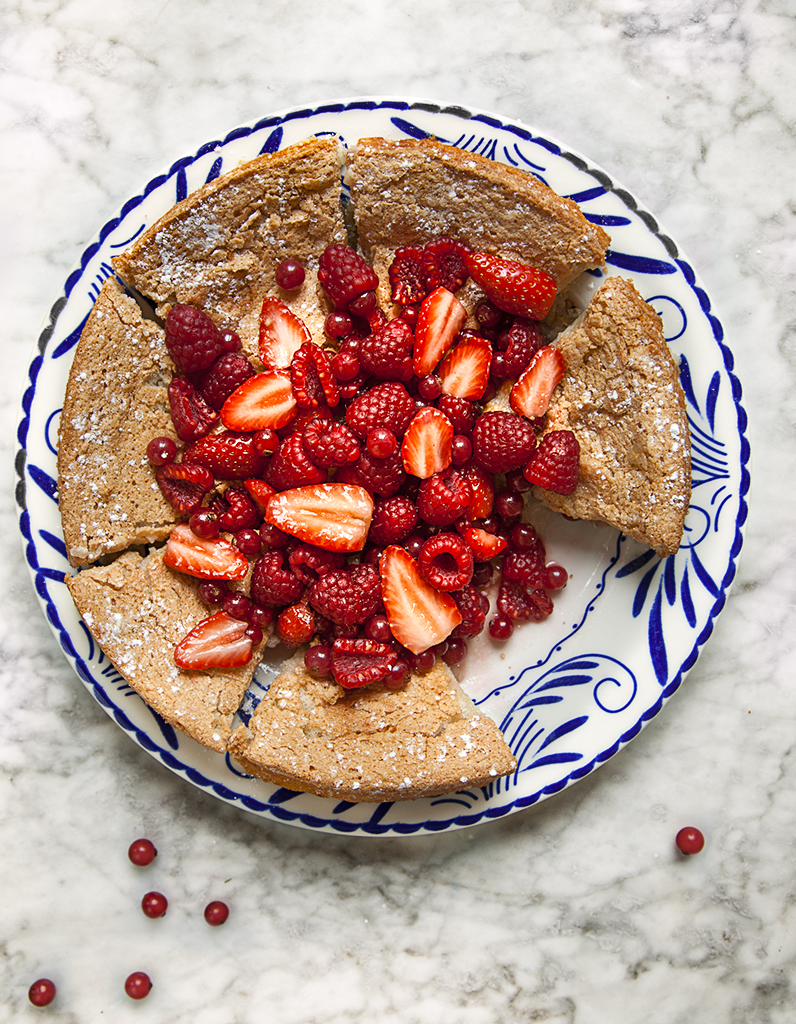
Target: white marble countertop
(578, 910)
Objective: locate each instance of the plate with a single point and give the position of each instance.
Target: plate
(569, 692)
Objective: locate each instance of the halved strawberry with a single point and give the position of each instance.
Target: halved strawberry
(419, 615)
(282, 334)
(358, 662)
(485, 545)
(483, 488)
(427, 443)
(531, 395)
(217, 642)
(261, 493)
(513, 287)
(265, 400)
(464, 372)
(206, 558)
(333, 516)
(440, 319)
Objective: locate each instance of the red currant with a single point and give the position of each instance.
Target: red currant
(289, 275)
(248, 542)
(154, 904)
(266, 441)
(212, 592)
(555, 576)
(138, 985)
(689, 840)
(363, 305)
(397, 676)
(237, 606)
(142, 852)
(377, 627)
(41, 992)
(161, 451)
(255, 634)
(216, 913)
(318, 661)
(456, 652)
(381, 443)
(345, 366)
(461, 450)
(261, 615)
(500, 628)
(338, 325)
(204, 523)
(429, 387)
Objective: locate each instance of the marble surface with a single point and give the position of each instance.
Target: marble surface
(580, 910)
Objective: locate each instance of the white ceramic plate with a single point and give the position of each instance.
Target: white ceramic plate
(569, 692)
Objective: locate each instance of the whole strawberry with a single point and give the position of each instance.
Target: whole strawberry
(514, 287)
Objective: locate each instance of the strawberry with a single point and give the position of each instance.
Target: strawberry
(265, 400)
(440, 319)
(359, 662)
(217, 642)
(311, 375)
(420, 616)
(282, 334)
(426, 447)
(184, 485)
(554, 464)
(514, 287)
(333, 516)
(260, 492)
(464, 372)
(228, 456)
(208, 559)
(485, 545)
(531, 395)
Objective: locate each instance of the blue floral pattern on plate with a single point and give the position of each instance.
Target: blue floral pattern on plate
(568, 692)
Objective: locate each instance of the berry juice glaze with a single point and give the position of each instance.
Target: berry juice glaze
(361, 486)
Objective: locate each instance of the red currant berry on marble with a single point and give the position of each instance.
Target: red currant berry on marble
(237, 606)
(138, 985)
(142, 852)
(318, 661)
(248, 542)
(508, 505)
(345, 366)
(41, 992)
(154, 904)
(381, 443)
(461, 450)
(216, 913)
(500, 628)
(689, 840)
(204, 523)
(429, 387)
(266, 441)
(212, 592)
(161, 451)
(397, 676)
(363, 305)
(555, 576)
(289, 275)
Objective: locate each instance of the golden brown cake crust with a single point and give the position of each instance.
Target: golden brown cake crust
(371, 744)
(116, 400)
(138, 610)
(622, 399)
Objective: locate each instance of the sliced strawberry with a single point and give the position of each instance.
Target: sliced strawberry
(427, 443)
(282, 334)
(420, 616)
(312, 379)
(228, 456)
(207, 558)
(333, 516)
(359, 662)
(265, 400)
(261, 493)
(513, 287)
(485, 545)
(464, 372)
(217, 642)
(440, 319)
(531, 395)
(483, 488)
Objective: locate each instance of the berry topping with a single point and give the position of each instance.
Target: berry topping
(386, 353)
(216, 913)
(554, 464)
(154, 904)
(309, 562)
(291, 466)
(444, 497)
(328, 443)
(483, 489)
(464, 372)
(260, 493)
(440, 319)
(333, 516)
(459, 411)
(344, 275)
(531, 395)
(502, 441)
(526, 567)
(282, 334)
(420, 616)
(228, 456)
(313, 380)
(515, 601)
(382, 443)
(556, 577)
(446, 561)
(193, 340)
(338, 325)
(191, 415)
(347, 596)
(473, 606)
(393, 520)
(142, 852)
(514, 287)
(426, 447)
(41, 992)
(206, 558)
(318, 661)
(138, 985)
(518, 345)
(484, 545)
(227, 373)
(385, 405)
(266, 400)
(689, 840)
(379, 476)
(296, 625)
(407, 287)
(443, 264)
(240, 512)
(161, 451)
(359, 662)
(289, 275)
(217, 642)
(184, 485)
(272, 583)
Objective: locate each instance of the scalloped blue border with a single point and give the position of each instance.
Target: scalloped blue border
(272, 808)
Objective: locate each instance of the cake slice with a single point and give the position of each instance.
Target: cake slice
(116, 401)
(218, 249)
(621, 397)
(138, 610)
(371, 744)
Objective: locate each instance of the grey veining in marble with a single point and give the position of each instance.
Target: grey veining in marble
(578, 911)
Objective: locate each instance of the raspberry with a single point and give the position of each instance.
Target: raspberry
(240, 513)
(313, 380)
(516, 602)
(329, 444)
(271, 583)
(292, 467)
(443, 264)
(393, 521)
(347, 596)
(519, 343)
(459, 411)
(220, 380)
(406, 276)
(380, 476)
(554, 464)
(361, 662)
(502, 441)
(193, 340)
(309, 562)
(191, 415)
(344, 275)
(526, 567)
(228, 456)
(443, 498)
(387, 352)
(184, 485)
(473, 606)
(386, 405)
(446, 561)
